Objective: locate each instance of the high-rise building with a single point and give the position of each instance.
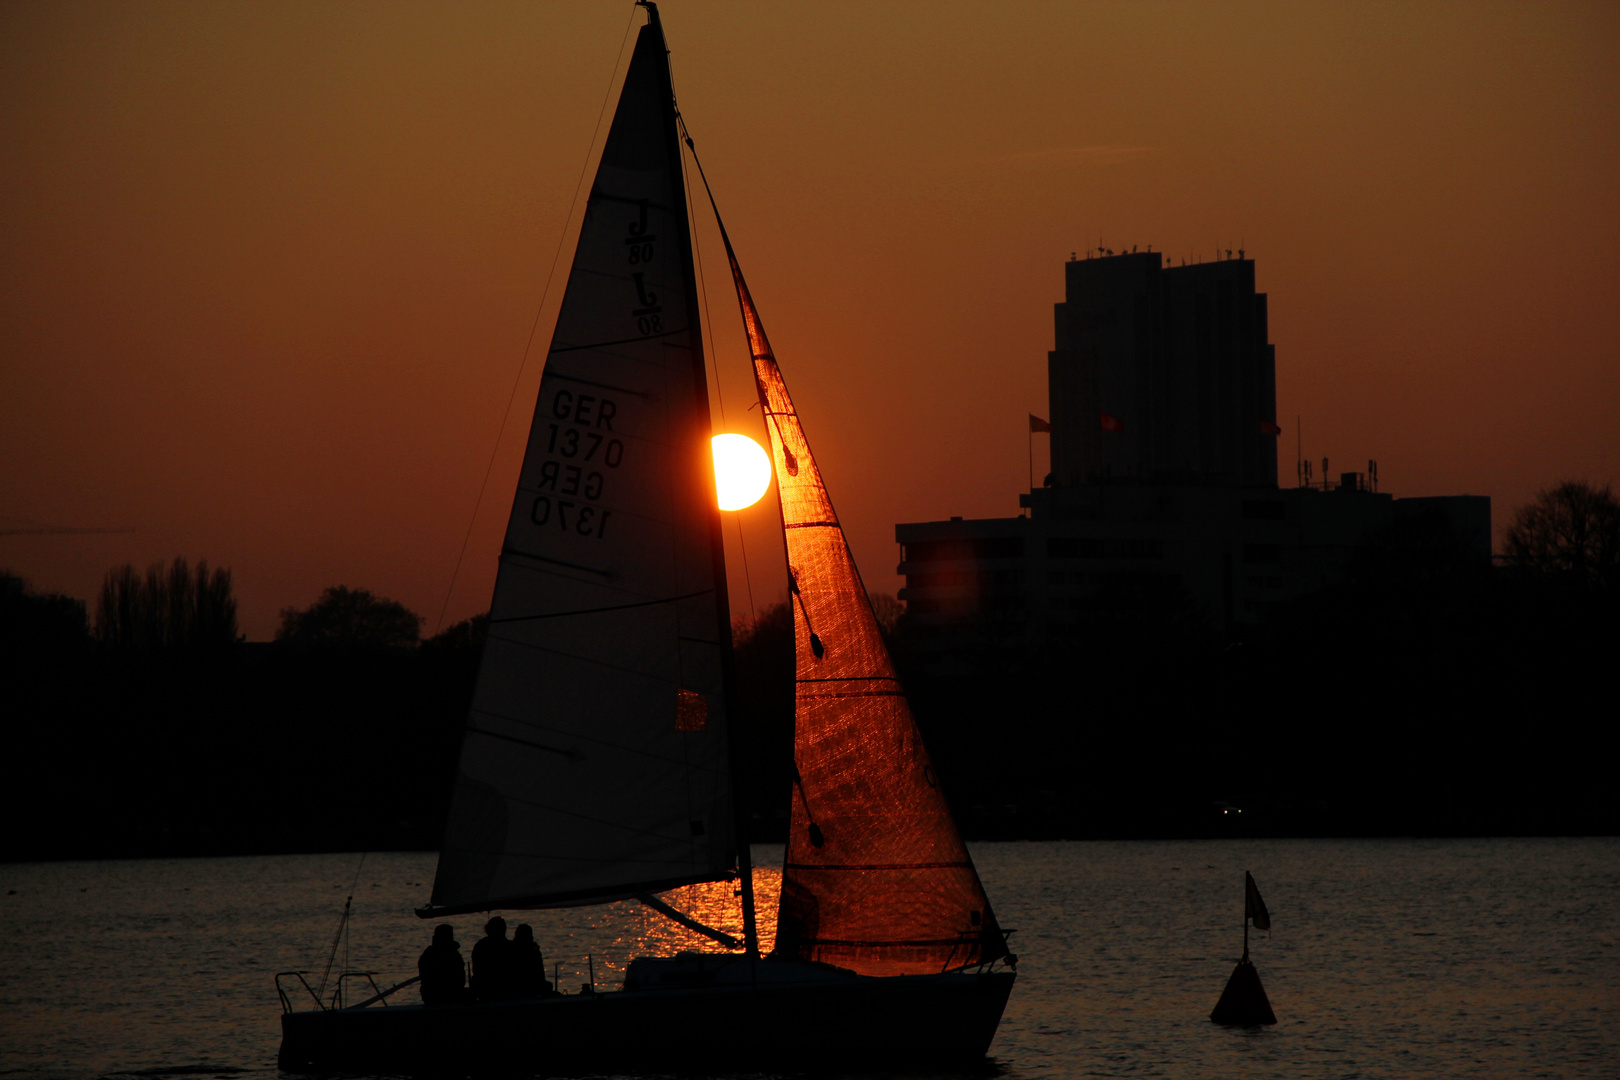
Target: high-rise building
(1162, 375)
(1164, 434)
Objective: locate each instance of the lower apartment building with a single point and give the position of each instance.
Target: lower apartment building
(1232, 553)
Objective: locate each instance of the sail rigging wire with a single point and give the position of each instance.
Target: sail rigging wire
(888, 894)
(708, 322)
(523, 365)
(342, 931)
(703, 285)
(764, 407)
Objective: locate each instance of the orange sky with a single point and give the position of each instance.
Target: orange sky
(269, 270)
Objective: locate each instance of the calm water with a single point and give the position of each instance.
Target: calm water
(1386, 959)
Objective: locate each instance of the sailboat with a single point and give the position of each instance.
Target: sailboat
(597, 762)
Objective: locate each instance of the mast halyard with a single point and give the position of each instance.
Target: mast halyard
(728, 667)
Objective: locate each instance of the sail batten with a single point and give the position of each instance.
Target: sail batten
(876, 878)
(595, 765)
(583, 898)
(598, 610)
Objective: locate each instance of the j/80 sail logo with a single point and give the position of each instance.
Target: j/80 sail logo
(641, 245)
(640, 241)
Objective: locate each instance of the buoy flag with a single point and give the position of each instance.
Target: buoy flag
(1037, 424)
(1254, 908)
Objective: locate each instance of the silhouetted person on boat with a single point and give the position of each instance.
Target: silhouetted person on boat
(528, 966)
(444, 978)
(492, 962)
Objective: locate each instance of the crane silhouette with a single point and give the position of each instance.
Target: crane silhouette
(57, 530)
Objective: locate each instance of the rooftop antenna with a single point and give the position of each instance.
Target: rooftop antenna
(1299, 447)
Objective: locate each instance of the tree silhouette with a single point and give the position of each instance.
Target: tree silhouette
(763, 649)
(36, 622)
(466, 636)
(351, 618)
(888, 610)
(173, 608)
(1570, 533)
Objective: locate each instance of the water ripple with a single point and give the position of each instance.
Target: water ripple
(1387, 959)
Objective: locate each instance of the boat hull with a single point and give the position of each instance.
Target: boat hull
(905, 1020)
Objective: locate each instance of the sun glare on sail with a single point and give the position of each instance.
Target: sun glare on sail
(742, 472)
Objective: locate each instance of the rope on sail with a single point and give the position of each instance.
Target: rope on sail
(528, 347)
(714, 358)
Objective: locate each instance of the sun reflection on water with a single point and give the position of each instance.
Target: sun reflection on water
(612, 935)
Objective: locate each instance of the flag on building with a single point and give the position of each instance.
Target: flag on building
(1037, 424)
(1269, 427)
(1111, 423)
(1254, 908)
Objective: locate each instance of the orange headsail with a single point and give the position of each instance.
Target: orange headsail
(877, 878)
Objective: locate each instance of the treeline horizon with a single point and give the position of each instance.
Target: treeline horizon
(157, 730)
(171, 606)
(1410, 699)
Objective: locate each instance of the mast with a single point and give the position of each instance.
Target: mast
(728, 667)
(1245, 925)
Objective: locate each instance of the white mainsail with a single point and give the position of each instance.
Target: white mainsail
(595, 761)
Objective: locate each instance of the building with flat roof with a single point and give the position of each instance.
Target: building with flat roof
(1162, 387)
(1162, 375)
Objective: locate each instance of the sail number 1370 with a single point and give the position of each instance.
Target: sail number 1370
(585, 520)
(580, 447)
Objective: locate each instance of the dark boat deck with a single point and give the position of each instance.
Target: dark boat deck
(789, 1016)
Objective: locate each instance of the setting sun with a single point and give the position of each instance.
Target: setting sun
(742, 472)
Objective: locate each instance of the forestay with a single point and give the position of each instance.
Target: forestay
(594, 765)
(876, 878)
